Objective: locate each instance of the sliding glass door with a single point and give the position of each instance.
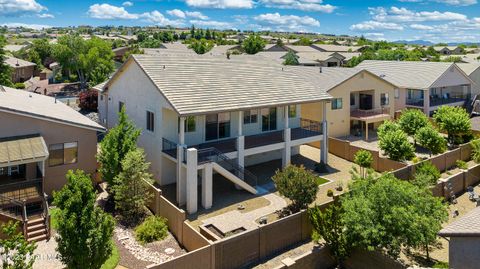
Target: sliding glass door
(217, 126)
(269, 119)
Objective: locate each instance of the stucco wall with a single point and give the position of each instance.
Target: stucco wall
(451, 77)
(54, 133)
(463, 252)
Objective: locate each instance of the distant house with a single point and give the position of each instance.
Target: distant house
(15, 48)
(424, 85)
(118, 53)
(22, 70)
(464, 243)
(473, 72)
(448, 50)
(337, 48)
(41, 139)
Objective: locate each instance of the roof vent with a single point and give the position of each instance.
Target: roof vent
(17, 64)
(30, 95)
(382, 75)
(321, 69)
(163, 66)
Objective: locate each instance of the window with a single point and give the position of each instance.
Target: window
(217, 126)
(269, 119)
(384, 99)
(337, 103)
(101, 97)
(150, 121)
(120, 106)
(250, 116)
(292, 111)
(64, 153)
(352, 99)
(189, 124)
(397, 93)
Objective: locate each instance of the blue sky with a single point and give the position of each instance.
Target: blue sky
(434, 20)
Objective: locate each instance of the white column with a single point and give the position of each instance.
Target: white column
(192, 180)
(426, 102)
(240, 141)
(286, 158)
(181, 192)
(324, 148)
(207, 186)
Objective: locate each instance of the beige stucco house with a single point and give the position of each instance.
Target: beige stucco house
(361, 100)
(208, 114)
(22, 70)
(424, 85)
(40, 140)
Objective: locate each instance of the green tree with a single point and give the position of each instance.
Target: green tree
(391, 214)
(290, 59)
(426, 174)
(88, 59)
(297, 184)
(120, 140)
(387, 126)
(455, 121)
(84, 230)
(131, 186)
(43, 48)
(304, 41)
(15, 252)
(411, 121)
(364, 159)
(328, 226)
(253, 44)
(201, 46)
(395, 145)
(5, 70)
(475, 150)
(430, 139)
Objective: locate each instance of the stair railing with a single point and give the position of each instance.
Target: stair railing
(46, 214)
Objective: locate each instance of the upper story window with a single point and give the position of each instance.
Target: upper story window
(150, 121)
(384, 99)
(250, 116)
(120, 106)
(352, 99)
(292, 111)
(190, 124)
(337, 103)
(217, 126)
(63, 153)
(397, 93)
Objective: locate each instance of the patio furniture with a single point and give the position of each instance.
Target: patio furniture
(472, 195)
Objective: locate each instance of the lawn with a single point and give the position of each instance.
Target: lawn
(321, 181)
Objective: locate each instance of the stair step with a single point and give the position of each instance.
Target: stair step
(33, 234)
(31, 228)
(36, 221)
(37, 238)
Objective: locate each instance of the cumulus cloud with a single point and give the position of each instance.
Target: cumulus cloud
(176, 13)
(421, 27)
(285, 22)
(20, 7)
(184, 14)
(127, 4)
(156, 17)
(25, 25)
(395, 14)
(109, 12)
(223, 4)
(212, 24)
(375, 25)
(448, 2)
(46, 16)
(304, 5)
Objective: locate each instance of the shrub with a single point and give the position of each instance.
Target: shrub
(412, 120)
(416, 159)
(19, 85)
(290, 59)
(330, 193)
(88, 100)
(426, 175)
(253, 44)
(461, 164)
(395, 145)
(430, 139)
(455, 121)
(152, 229)
(386, 127)
(297, 184)
(475, 150)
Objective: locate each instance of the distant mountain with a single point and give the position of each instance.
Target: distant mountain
(415, 42)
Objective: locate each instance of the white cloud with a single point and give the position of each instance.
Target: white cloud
(20, 7)
(25, 25)
(157, 18)
(176, 13)
(212, 24)
(448, 2)
(375, 25)
(395, 14)
(304, 5)
(285, 22)
(46, 16)
(183, 14)
(421, 27)
(127, 4)
(220, 3)
(109, 12)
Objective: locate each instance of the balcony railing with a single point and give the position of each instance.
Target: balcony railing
(360, 113)
(415, 102)
(23, 190)
(308, 128)
(169, 147)
(448, 99)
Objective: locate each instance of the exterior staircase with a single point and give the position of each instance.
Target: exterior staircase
(37, 229)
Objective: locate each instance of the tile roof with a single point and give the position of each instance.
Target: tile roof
(468, 68)
(212, 84)
(43, 107)
(14, 48)
(407, 74)
(336, 48)
(301, 48)
(468, 225)
(15, 62)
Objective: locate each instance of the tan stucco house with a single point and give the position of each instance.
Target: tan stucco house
(22, 70)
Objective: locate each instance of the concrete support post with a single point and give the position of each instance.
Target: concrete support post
(192, 180)
(324, 148)
(207, 186)
(181, 192)
(426, 102)
(240, 141)
(366, 130)
(287, 150)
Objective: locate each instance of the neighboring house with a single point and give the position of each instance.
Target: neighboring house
(298, 49)
(22, 70)
(196, 120)
(464, 243)
(473, 72)
(223, 49)
(326, 59)
(15, 48)
(449, 50)
(118, 53)
(423, 85)
(40, 140)
(361, 100)
(337, 48)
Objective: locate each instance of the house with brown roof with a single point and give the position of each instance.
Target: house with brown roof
(22, 70)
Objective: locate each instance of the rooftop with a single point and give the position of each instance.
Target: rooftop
(468, 225)
(468, 68)
(44, 107)
(336, 48)
(15, 62)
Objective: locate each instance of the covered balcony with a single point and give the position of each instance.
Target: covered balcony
(452, 95)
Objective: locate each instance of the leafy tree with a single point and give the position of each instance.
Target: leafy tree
(5, 70)
(43, 48)
(364, 159)
(475, 150)
(88, 100)
(290, 59)
(84, 230)
(430, 139)
(201, 46)
(328, 225)
(388, 214)
(411, 121)
(15, 252)
(253, 44)
(304, 41)
(426, 174)
(120, 140)
(453, 120)
(386, 127)
(131, 186)
(88, 59)
(395, 145)
(297, 184)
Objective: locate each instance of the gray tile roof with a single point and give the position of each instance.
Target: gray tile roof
(406, 74)
(301, 48)
(336, 48)
(468, 68)
(212, 84)
(468, 225)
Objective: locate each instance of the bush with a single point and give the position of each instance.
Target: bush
(461, 164)
(19, 85)
(386, 127)
(426, 175)
(430, 139)
(455, 121)
(88, 100)
(416, 159)
(152, 229)
(330, 193)
(475, 150)
(412, 120)
(364, 159)
(395, 145)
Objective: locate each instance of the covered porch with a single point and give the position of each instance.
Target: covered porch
(362, 120)
(431, 99)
